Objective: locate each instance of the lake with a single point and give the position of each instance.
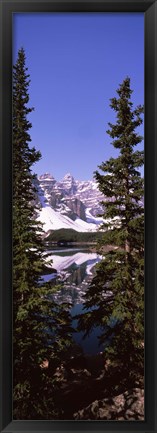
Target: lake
(75, 270)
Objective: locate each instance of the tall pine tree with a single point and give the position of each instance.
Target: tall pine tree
(117, 289)
(41, 328)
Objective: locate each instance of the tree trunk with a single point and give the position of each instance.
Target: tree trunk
(127, 246)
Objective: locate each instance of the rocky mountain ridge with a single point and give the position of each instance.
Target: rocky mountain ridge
(69, 202)
(71, 191)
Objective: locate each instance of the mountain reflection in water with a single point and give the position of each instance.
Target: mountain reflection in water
(74, 273)
(75, 270)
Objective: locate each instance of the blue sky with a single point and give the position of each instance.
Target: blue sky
(76, 61)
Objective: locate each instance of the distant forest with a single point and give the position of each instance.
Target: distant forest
(70, 235)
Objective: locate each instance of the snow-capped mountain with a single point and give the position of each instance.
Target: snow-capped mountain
(69, 203)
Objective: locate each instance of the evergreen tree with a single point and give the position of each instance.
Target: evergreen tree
(117, 289)
(41, 328)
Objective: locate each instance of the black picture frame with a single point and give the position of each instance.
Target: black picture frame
(149, 8)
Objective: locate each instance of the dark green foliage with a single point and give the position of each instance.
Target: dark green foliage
(70, 235)
(117, 290)
(41, 329)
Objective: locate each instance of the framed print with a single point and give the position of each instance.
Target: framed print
(78, 207)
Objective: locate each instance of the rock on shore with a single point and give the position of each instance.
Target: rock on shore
(128, 406)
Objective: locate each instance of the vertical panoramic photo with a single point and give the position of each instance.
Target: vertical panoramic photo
(78, 216)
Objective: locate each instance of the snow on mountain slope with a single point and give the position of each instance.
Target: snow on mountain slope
(53, 220)
(91, 219)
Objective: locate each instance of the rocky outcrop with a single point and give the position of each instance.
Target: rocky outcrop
(77, 207)
(128, 406)
(90, 388)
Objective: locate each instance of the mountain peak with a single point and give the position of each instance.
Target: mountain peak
(46, 176)
(68, 176)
